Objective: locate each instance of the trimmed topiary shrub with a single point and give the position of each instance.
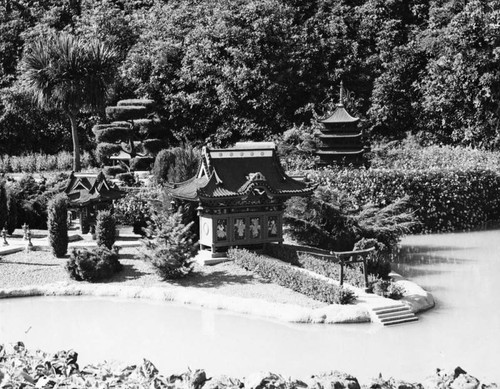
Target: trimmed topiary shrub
(149, 128)
(12, 211)
(114, 170)
(112, 133)
(149, 104)
(290, 277)
(126, 112)
(58, 225)
(153, 146)
(105, 150)
(105, 229)
(93, 265)
(171, 246)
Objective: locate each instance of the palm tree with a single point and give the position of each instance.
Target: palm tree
(71, 74)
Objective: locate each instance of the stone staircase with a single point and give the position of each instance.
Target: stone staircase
(392, 314)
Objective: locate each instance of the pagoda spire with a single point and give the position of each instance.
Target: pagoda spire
(341, 95)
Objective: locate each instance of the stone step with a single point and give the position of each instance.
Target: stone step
(394, 314)
(398, 317)
(401, 321)
(402, 308)
(384, 307)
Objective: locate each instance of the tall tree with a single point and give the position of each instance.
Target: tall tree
(70, 74)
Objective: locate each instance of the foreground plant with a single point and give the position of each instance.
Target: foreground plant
(93, 265)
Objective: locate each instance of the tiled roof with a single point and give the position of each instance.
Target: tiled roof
(340, 115)
(235, 172)
(84, 189)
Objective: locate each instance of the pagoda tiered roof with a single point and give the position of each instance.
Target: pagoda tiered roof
(339, 116)
(248, 168)
(91, 188)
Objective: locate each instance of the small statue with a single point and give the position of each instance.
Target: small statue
(29, 244)
(25, 229)
(4, 236)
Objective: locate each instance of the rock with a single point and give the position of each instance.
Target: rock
(380, 383)
(198, 379)
(223, 382)
(335, 380)
(465, 381)
(263, 380)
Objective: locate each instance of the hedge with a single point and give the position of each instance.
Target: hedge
(149, 128)
(129, 112)
(443, 200)
(58, 225)
(286, 275)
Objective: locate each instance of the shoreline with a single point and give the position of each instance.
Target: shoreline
(418, 300)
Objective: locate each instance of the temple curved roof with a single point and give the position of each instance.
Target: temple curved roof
(247, 168)
(91, 188)
(340, 115)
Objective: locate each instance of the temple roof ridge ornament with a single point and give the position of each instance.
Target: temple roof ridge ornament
(340, 115)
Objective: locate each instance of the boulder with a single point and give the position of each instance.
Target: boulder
(263, 380)
(465, 381)
(335, 380)
(223, 382)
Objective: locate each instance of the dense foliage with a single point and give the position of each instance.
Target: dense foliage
(170, 246)
(93, 265)
(442, 200)
(41, 162)
(105, 229)
(224, 71)
(330, 219)
(58, 225)
(176, 164)
(290, 277)
(4, 213)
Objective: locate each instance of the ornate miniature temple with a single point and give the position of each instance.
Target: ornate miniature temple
(340, 140)
(89, 193)
(241, 193)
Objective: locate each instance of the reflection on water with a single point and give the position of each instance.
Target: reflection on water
(464, 328)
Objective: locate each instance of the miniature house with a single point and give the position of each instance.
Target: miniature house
(341, 141)
(89, 193)
(241, 193)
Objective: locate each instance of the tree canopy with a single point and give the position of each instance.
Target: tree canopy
(224, 70)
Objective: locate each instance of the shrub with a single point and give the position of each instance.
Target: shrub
(12, 211)
(58, 225)
(3, 205)
(141, 163)
(171, 247)
(149, 128)
(329, 219)
(105, 150)
(389, 289)
(127, 178)
(93, 265)
(129, 112)
(133, 211)
(176, 164)
(377, 263)
(105, 229)
(286, 275)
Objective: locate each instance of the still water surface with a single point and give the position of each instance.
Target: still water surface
(461, 270)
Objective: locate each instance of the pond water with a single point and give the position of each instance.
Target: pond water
(463, 329)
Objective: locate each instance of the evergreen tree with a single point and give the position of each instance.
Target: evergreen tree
(58, 225)
(12, 212)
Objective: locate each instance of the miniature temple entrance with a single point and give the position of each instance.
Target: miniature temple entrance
(241, 193)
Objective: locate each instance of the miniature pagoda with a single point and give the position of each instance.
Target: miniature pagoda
(241, 193)
(89, 193)
(340, 140)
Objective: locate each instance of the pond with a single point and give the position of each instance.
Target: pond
(463, 329)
